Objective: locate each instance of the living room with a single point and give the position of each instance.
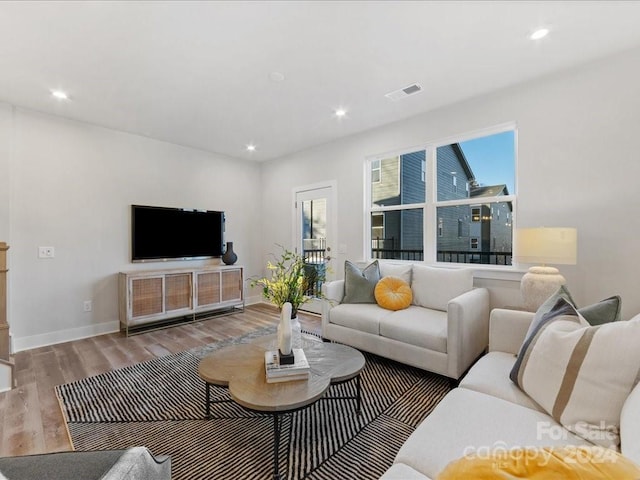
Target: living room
(69, 183)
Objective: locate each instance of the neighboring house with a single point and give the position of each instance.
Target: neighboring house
(490, 228)
(471, 234)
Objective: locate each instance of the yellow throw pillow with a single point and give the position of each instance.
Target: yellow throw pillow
(562, 463)
(393, 293)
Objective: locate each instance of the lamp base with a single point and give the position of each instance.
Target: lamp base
(538, 284)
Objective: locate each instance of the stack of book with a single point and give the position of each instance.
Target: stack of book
(298, 370)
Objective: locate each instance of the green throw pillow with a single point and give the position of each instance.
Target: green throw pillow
(605, 311)
(359, 285)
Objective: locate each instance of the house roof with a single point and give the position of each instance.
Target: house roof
(489, 191)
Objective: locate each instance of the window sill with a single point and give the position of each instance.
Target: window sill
(493, 272)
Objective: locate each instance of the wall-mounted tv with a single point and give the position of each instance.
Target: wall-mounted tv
(161, 233)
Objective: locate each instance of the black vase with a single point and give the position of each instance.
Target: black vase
(229, 257)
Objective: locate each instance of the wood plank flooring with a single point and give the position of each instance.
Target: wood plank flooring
(30, 419)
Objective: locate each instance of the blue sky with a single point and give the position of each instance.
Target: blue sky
(492, 159)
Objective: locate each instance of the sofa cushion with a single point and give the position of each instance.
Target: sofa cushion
(569, 462)
(490, 375)
(362, 316)
(417, 326)
(393, 293)
(435, 287)
(360, 283)
(581, 375)
(466, 422)
(404, 271)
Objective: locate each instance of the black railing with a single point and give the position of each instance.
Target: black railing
(484, 258)
(397, 254)
(315, 270)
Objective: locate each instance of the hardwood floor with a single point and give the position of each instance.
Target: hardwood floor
(30, 416)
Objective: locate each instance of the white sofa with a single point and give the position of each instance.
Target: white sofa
(446, 338)
(488, 411)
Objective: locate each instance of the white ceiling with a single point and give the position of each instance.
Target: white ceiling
(198, 73)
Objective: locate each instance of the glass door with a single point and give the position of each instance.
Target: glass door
(314, 226)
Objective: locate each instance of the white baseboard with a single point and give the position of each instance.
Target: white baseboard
(52, 338)
(61, 336)
(253, 300)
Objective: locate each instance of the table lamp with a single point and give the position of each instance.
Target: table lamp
(557, 246)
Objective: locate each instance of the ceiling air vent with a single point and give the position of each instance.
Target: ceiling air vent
(404, 92)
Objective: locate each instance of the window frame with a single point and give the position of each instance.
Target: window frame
(431, 203)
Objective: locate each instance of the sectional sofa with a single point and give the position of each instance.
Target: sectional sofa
(489, 413)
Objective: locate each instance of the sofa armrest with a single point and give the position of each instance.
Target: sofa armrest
(333, 291)
(507, 329)
(332, 294)
(467, 329)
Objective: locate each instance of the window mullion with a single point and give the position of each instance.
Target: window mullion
(430, 240)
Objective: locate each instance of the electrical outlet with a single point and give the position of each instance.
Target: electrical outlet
(46, 252)
(88, 305)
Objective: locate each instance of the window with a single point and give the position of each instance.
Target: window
(375, 171)
(377, 228)
(427, 217)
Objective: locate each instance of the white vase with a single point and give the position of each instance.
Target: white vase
(285, 330)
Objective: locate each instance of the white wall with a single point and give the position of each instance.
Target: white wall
(5, 149)
(71, 186)
(577, 166)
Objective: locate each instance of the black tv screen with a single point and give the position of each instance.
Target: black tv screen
(160, 233)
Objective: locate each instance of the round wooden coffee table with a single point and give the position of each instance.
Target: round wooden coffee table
(241, 368)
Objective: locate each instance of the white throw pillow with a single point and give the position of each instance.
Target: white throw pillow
(434, 287)
(581, 375)
(396, 270)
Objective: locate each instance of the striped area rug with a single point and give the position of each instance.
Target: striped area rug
(160, 404)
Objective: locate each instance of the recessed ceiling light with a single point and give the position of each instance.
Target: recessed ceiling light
(60, 95)
(540, 33)
(340, 112)
(276, 76)
(251, 147)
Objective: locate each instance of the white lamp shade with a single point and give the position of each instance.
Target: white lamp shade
(556, 246)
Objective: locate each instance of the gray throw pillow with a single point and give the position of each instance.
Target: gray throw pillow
(605, 311)
(359, 285)
(547, 306)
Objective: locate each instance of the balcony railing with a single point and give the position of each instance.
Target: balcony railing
(484, 258)
(315, 270)
(397, 254)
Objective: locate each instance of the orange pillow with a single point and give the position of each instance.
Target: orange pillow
(569, 462)
(393, 293)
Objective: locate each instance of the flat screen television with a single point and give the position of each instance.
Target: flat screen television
(161, 233)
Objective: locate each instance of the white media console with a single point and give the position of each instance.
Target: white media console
(155, 296)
